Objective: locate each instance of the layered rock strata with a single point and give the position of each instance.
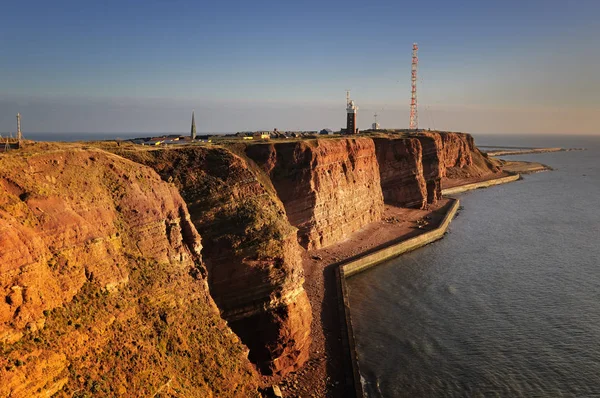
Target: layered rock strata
(462, 159)
(401, 171)
(330, 188)
(104, 289)
(250, 249)
(432, 165)
(450, 155)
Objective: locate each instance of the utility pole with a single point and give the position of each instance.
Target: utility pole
(19, 134)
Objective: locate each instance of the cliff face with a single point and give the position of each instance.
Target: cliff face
(401, 171)
(103, 284)
(105, 291)
(330, 188)
(464, 160)
(432, 165)
(253, 259)
(450, 155)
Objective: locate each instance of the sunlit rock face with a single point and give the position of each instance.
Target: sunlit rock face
(330, 188)
(103, 283)
(401, 169)
(250, 250)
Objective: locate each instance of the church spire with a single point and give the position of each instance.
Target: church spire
(193, 131)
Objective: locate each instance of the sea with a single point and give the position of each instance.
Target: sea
(507, 304)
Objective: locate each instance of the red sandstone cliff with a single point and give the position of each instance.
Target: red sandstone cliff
(330, 188)
(101, 269)
(464, 160)
(250, 249)
(401, 170)
(103, 286)
(448, 155)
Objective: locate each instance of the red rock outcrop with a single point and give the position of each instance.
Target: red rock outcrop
(401, 171)
(105, 291)
(450, 155)
(432, 165)
(462, 159)
(102, 283)
(250, 249)
(330, 188)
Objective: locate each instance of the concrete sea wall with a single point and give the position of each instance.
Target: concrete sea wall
(358, 265)
(370, 260)
(477, 185)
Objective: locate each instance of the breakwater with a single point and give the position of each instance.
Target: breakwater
(482, 184)
(524, 151)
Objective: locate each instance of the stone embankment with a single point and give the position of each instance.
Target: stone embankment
(362, 263)
(522, 151)
(481, 184)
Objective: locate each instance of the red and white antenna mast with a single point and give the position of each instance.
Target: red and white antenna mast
(414, 118)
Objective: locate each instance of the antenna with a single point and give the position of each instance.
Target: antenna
(347, 96)
(414, 118)
(375, 115)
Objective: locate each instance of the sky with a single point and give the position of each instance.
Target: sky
(510, 67)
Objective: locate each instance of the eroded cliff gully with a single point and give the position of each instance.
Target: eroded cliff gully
(250, 249)
(104, 289)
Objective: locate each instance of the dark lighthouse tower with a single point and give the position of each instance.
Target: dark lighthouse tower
(193, 129)
(350, 115)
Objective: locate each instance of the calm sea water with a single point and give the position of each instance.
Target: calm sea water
(507, 304)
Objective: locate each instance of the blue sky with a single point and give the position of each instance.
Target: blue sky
(129, 66)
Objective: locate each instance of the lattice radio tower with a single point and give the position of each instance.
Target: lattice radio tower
(414, 117)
